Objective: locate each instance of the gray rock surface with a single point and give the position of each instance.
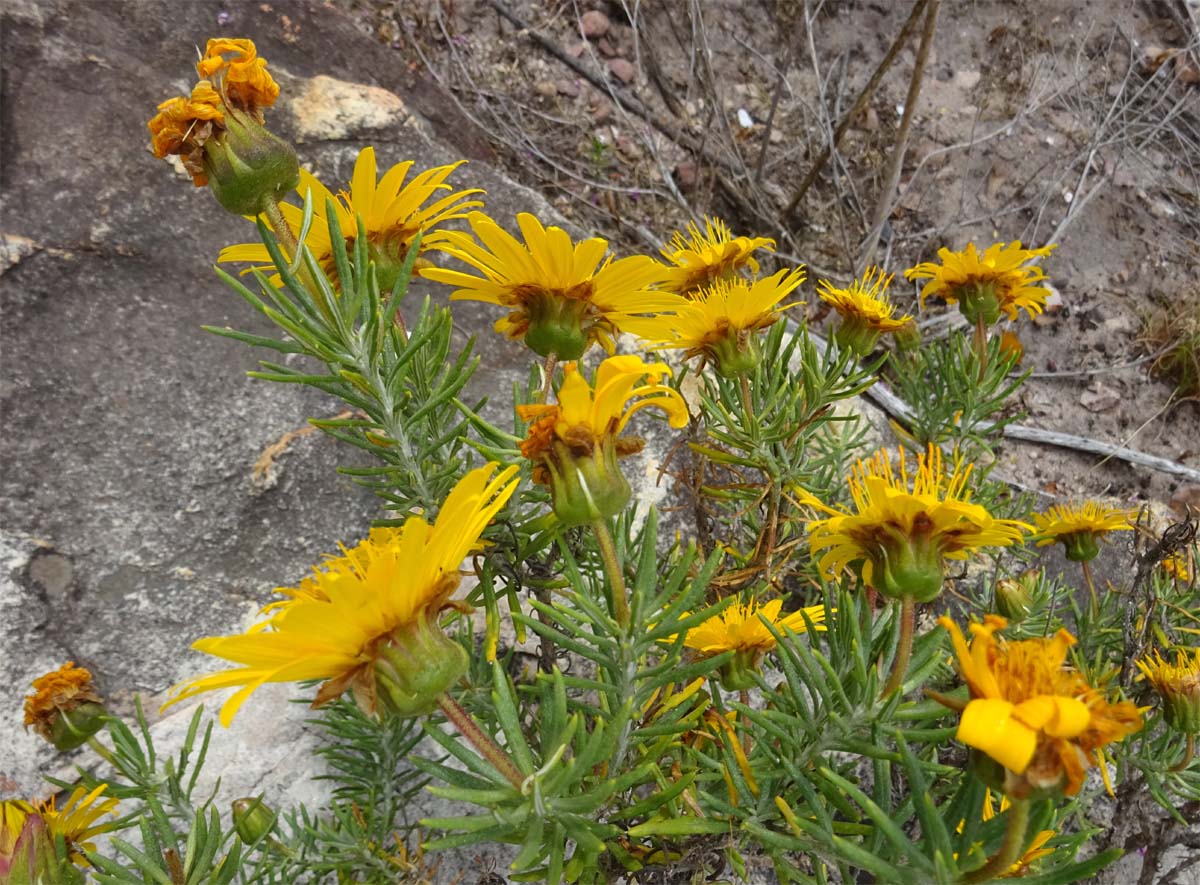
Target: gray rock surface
(129, 525)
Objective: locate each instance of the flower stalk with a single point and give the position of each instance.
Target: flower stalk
(1010, 848)
(1189, 753)
(479, 739)
(908, 616)
(612, 568)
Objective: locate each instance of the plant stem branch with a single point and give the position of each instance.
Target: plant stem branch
(908, 616)
(884, 207)
(1010, 848)
(612, 567)
(479, 739)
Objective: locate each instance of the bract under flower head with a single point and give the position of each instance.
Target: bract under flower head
(561, 296)
(865, 309)
(902, 530)
(368, 619)
(700, 259)
(1178, 684)
(721, 323)
(1079, 527)
(999, 280)
(1032, 714)
(65, 708)
(574, 445)
(394, 209)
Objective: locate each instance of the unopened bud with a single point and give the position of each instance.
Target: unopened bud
(1013, 598)
(253, 819)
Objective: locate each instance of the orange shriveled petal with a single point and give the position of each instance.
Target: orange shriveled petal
(244, 78)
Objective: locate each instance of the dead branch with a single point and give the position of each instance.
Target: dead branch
(857, 108)
(887, 195)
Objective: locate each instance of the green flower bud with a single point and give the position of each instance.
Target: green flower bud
(1013, 597)
(587, 487)
(248, 166)
(72, 728)
(253, 819)
(415, 664)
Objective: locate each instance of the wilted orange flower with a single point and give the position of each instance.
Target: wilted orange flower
(1037, 718)
(184, 124)
(57, 699)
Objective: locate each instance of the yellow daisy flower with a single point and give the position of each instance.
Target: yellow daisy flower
(1078, 527)
(77, 820)
(1033, 716)
(394, 210)
(28, 831)
(1178, 684)
(984, 285)
(65, 708)
(902, 530)
(721, 323)
(1034, 852)
(1176, 566)
(701, 259)
(372, 627)
(561, 296)
(742, 628)
(865, 310)
(574, 445)
(217, 131)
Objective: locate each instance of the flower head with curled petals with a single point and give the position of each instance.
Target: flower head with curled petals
(394, 209)
(702, 258)
(78, 820)
(368, 620)
(561, 296)
(1001, 279)
(574, 445)
(904, 527)
(1079, 527)
(1178, 685)
(721, 323)
(864, 308)
(1030, 712)
(65, 708)
(242, 79)
(742, 628)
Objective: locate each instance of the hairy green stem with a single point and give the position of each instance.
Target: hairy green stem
(981, 346)
(551, 363)
(479, 739)
(908, 616)
(612, 567)
(102, 751)
(1010, 848)
(1189, 753)
(283, 230)
(1091, 585)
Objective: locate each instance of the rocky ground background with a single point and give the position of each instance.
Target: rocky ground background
(150, 493)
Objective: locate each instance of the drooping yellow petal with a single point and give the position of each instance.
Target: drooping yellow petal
(988, 724)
